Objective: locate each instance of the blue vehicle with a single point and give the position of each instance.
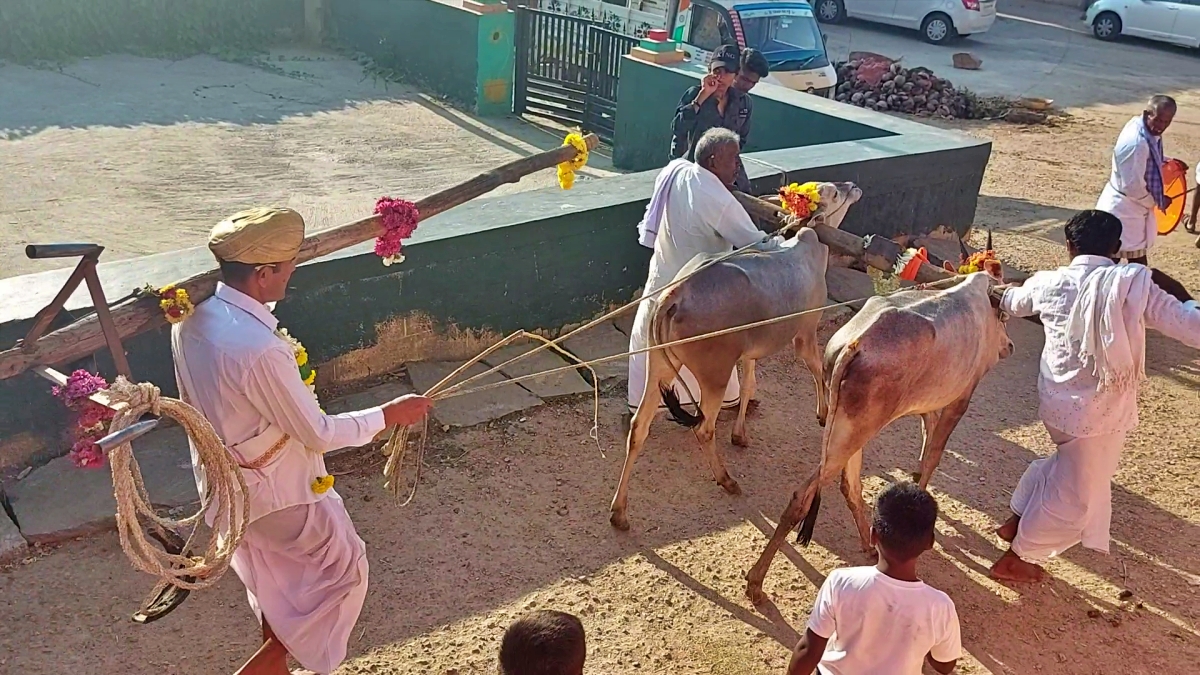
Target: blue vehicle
(785, 31)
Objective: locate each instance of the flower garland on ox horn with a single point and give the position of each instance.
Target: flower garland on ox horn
(800, 200)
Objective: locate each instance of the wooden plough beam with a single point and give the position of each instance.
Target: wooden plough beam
(141, 314)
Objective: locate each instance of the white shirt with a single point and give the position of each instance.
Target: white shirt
(1067, 389)
(877, 625)
(1125, 194)
(701, 216)
(245, 380)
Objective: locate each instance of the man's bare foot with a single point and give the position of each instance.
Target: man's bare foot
(1008, 531)
(1011, 568)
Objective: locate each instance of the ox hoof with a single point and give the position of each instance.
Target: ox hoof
(730, 485)
(619, 521)
(740, 440)
(916, 476)
(821, 422)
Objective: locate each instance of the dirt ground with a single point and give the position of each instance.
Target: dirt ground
(513, 516)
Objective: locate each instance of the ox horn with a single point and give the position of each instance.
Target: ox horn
(989, 241)
(962, 250)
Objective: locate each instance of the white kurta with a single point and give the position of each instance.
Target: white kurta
(1066, 498)
(701, 216)
(1125, 195)
(303, 564)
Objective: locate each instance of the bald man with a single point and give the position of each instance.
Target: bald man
(1135, 186)
(303, 563)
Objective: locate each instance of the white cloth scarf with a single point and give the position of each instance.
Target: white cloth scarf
(1107, 324)
(648, 228)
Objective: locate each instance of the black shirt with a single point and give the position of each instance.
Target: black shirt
(690, 124)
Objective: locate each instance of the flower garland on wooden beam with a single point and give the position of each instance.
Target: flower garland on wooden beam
(399, 219)
(567, 169)
(91, 420)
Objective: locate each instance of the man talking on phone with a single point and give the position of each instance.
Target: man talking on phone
(715, 103)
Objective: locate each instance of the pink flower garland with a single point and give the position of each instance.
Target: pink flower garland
(400, 220)
(91, 422)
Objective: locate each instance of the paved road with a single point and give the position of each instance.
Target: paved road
(1036, 49)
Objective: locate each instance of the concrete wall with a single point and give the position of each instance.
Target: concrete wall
(462, 55)
(533, 260)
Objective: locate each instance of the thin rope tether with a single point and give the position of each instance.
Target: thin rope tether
(225, 484)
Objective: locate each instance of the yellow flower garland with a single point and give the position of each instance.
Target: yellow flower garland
(322, 484)
(174, 302)
(567, 169)
(800, 200)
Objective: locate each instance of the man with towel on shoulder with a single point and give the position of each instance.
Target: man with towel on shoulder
(303, 564)
(1135, 186)
(692, 211)
(1095, 314)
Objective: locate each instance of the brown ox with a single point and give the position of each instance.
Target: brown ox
(911, 353)
(775, 279)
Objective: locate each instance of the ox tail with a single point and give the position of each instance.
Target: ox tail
(679, 414)
(805, 532)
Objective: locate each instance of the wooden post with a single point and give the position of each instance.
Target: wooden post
(141, 314)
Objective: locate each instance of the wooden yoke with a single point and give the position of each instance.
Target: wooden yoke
(876, 251)
(85, 272)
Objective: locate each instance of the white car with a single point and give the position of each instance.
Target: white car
(1174, 21)
(940, 21)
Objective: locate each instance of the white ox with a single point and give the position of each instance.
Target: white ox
(915, 352)
(774, 279)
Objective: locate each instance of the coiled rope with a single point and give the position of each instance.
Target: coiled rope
(225, 485)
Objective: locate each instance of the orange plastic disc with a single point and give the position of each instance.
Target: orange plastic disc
(1174, 185)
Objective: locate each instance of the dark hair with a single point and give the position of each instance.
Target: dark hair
(543, 643)
(904, 519)
(1094, 232)
(235, 272)
(754, 61)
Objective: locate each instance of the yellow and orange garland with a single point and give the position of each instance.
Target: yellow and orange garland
(567, 169)
(982, 261)
(800, 200)
(174, 302)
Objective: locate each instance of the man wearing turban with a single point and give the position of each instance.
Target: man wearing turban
(303, 563)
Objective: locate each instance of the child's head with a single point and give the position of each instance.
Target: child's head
(543, 643)
(904, 519)
(1093, 232)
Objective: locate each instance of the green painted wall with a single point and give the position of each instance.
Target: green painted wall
(461, 55)
(496, 62)
(648, 94)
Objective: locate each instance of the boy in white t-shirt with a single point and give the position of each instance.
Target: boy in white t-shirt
(883, 620)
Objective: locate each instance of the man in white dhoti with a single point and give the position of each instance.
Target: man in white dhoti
(303, 564)
(1095, 315)
(692, 211)
(1135, 187)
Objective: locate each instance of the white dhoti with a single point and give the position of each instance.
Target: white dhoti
(1066, 498)
(685, 386)
(305, 571)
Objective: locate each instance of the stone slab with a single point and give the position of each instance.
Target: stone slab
(472, 409)
(624, 323)
(369, 398)
(12, 544)
(60, 500)
(550, 386)
(845, 284)
(598, 342)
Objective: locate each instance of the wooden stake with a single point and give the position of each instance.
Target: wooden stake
(142, 314)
